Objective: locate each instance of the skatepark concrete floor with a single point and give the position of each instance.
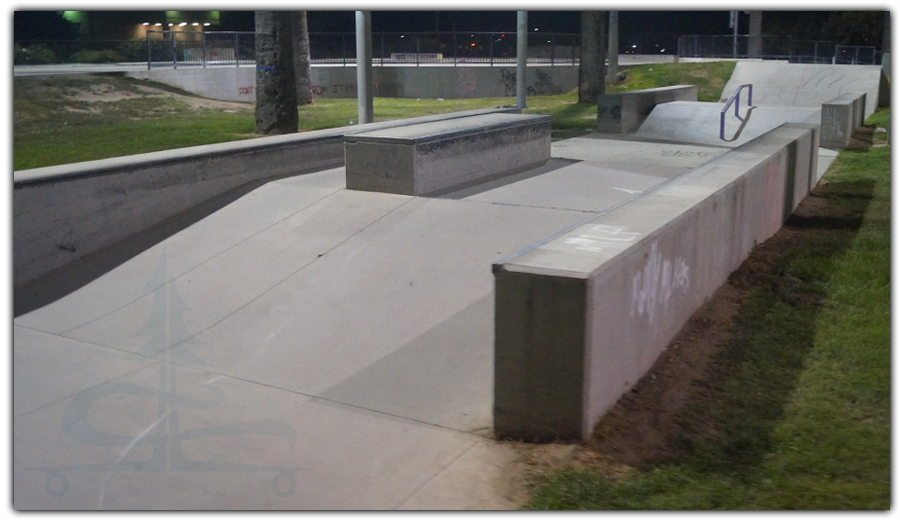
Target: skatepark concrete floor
(305, 347)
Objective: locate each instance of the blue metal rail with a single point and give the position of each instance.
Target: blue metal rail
(736, 99)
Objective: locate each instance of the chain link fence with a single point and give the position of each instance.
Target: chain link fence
(775, 48)
(215, 48)
(174, 48)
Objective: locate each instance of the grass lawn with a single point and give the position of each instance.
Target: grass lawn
(67, 119)
(801, 393)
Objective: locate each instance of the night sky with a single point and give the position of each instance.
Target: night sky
(680, 22)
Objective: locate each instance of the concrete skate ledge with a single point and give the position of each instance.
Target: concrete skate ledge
(624, 112)
(840, 117)
(64, 213)
(431, 158)
(583, 315)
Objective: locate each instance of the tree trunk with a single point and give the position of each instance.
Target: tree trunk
(301, 59)
(592, 72)
(276, 87)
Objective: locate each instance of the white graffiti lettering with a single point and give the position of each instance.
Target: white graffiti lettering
(603, 236)
(652, 287)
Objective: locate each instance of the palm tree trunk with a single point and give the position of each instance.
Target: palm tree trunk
(276, 87)
(301, 59)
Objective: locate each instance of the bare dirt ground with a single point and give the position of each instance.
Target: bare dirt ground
(109, 93)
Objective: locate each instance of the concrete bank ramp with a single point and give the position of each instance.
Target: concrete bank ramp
(699, 123)
(782, 84)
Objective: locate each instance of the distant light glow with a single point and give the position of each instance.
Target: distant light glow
(158, 24)
(195, 23)
(206, 23)
(145, 24)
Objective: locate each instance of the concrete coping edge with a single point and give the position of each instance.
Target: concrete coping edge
(501, 265)
(460, 128)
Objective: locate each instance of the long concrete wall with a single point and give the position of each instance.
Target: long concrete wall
(580, 318)
(447, 82)
(67, 212)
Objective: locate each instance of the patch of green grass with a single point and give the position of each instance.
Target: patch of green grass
(52, 126)
(881, 119)
(710, 77)
(70, 144)
(800, 397)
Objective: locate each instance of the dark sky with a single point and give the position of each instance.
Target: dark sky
(680, 22)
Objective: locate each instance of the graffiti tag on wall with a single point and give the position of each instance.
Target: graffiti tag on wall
(543, 85)
(654, 285)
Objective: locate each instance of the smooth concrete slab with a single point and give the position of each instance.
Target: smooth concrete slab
(239, 448)
(781, 84)
(432, 262)
(586, 186)
(49, 368)
(656, 158)
(235, 277)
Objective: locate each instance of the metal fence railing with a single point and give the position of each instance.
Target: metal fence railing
(775, 47)
(186, 48)
(174, 48)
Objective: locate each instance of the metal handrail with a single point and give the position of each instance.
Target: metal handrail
(736, 99)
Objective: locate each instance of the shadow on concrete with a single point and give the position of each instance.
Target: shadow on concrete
(54, 285)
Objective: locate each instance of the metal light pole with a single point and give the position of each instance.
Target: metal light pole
(734, 24)
(364, 85)
(521, 52)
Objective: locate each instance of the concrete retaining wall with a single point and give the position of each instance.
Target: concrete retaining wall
(581, 317)
(432, 158)
(840, 117)
(460, 82)
(624, 112)
(64, 213)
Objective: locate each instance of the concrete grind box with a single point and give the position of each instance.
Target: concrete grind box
(435, 158)
(579, 319)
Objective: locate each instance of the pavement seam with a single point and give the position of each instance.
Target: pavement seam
(242, 241)
(86, 389)
(80, 340)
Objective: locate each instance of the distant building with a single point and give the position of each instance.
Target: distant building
(124, 25)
